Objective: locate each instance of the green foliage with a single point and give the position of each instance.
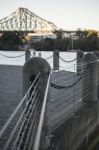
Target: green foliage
(89, 42)
(59, 33)
(51, 44)
(85, 44)
(86, 41)
(10, 40)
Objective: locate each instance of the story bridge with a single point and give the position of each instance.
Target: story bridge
(60, 109)
(26, 21)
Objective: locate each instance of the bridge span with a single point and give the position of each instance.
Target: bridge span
(59, 110)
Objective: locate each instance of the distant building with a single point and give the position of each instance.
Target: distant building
(70, 35)
(34, 37)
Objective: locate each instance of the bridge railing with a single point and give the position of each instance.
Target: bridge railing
(41, 121)
(28, 128)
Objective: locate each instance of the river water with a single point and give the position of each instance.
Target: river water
(5, 60)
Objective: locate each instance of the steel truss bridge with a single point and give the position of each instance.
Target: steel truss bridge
(24, 20)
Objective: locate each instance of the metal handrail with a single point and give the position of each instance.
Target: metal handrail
(38, 113)
(30, 101)
(23, 122)
(33, 83)
(17, 108)
(40, 125)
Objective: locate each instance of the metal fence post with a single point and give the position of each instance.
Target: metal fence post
(89, 85)
(56, 59)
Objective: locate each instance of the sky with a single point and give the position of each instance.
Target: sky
(65, 14)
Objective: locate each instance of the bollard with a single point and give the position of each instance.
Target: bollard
(34, 53)
(97, 55)
(56, 59)
(39, 54)
(27, 55)
(89, 84)
(31, 69)
(80, 55)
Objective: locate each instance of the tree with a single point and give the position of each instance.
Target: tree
(10, 40)
(59, 33)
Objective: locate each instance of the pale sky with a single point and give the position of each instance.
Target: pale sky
(65, 14)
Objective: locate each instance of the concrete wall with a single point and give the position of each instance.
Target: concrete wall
(77, 128)
(10, 90)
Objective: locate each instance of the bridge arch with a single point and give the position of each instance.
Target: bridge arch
(30, 70)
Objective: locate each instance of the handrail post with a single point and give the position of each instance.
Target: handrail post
(56, 59)
(41, 122)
